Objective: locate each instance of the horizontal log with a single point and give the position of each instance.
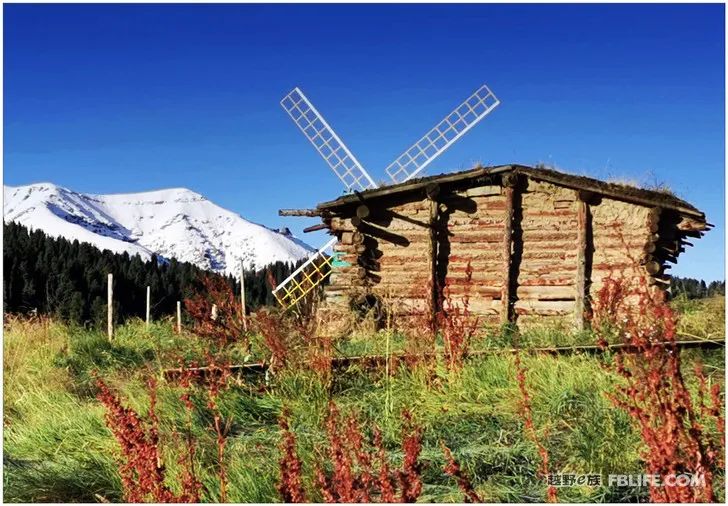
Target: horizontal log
(546, 280)
(541, 235)
(549, 213)
(405, 284)
(477, 269)
(476, 237)
(344, 248)
(311, 213)
(613, 266)
(346, 238)
(314, 228)
(544, 308)
(465, 255)
(481, 191)
(561, 255)
(564, 204)
(494, 222)
(538, 264)
(546, 292)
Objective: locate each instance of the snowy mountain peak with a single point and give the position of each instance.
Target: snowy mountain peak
(172, 223)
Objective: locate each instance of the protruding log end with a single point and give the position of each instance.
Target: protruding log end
(509, 180)
(362, 211)
(653, 267)
(432, 190)
(314, 228)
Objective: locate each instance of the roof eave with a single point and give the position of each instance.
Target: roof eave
(589, 184)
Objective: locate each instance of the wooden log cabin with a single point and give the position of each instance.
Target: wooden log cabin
(521, 243)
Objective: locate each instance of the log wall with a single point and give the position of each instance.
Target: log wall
(562, 246)
(404, 262)
(475, 224)
(343, 281)
(620, 232)
(548, 264)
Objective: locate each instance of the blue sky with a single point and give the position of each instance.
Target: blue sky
(125, 98)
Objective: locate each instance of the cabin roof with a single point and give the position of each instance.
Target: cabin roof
(479, 175)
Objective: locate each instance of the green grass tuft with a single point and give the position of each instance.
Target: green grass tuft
(58, 449)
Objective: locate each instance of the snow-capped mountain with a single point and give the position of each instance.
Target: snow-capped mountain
(174, 223)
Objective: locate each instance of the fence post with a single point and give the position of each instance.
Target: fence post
(242, 295)
(179, 317)
(149, 297)
(110, 306)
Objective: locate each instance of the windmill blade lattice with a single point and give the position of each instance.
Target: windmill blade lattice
(436, 141)
(326, 142)
(307, 277)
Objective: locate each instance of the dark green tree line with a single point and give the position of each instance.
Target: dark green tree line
(67, 279)
(695, 288)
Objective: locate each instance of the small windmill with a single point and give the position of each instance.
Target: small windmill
(355, 178)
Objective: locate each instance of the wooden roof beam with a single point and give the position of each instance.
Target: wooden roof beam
(310, 213)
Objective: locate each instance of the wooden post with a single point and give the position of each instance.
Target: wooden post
(582, 212)
(110, 306)
(433, 191)
(242, 296)
(508, 190)
(363, 212)
(149, 300)
(179, 317)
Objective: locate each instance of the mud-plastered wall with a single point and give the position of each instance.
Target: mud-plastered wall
(619, 235)
(546, 257)
(474, 223)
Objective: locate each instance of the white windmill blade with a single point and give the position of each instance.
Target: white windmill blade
(327, 143)
(456, 124)
(307, 277)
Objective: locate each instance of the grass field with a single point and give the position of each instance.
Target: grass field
(57, 447)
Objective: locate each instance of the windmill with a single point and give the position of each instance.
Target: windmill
(356, 179)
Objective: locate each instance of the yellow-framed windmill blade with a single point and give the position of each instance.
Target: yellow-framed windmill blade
(308, 276)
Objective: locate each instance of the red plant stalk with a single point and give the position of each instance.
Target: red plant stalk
(342, 480)
(457, 324)
(352, 458)
(654, 393)
(530, 429)
(290, 486)
(191, 485)
(319, 350)
(274, 330)
(216, 384)
(142, 473)
(409, 476)
(216, 312)
(714, 410)
(355, 442)
(215, 381)
(324, 485)
(385, 475)
(452, 468)
(421, 329)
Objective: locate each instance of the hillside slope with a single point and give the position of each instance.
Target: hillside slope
(173, 223)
